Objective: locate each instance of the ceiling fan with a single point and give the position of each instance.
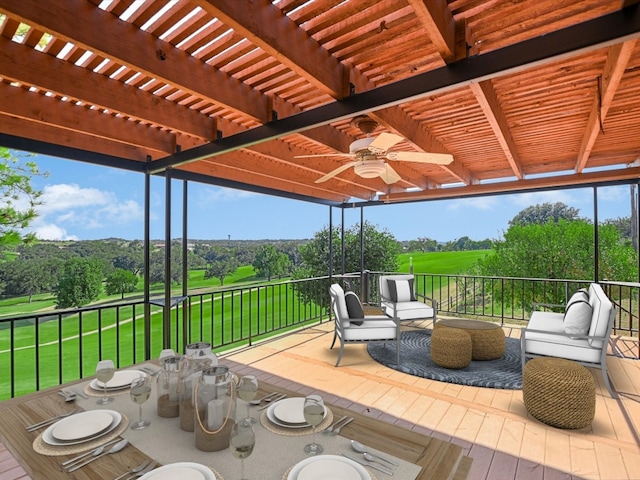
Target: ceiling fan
(370, 155)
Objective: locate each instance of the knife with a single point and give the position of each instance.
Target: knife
(370, 465)
(274, 400)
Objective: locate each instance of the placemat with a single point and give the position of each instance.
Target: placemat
(295, 432)
(43, 448)
(100, 393)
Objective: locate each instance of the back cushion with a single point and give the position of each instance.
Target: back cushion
(354, 308)
(401, 290)
(602, 307)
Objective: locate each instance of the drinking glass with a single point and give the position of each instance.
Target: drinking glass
(140, 392)
(104, 373)
(313, 415)
(247, 391)
(242, 442)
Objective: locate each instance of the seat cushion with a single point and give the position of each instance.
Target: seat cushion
(602, 314)
(407, 310)
(354, 308)
(557, 345)
(373, 328)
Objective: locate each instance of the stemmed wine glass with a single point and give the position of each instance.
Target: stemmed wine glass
(140, 392)
(247, 391)
(242, 442)
(104, 372)
(313, 414)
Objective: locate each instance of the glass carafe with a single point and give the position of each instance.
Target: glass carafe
(215, 408)
(190, 371)
(167, 387)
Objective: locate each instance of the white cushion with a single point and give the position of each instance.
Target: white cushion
(373, 328)
(602, 311)
(383, 283)
(407, 310)
(577, 318)
(581, 295)
(401, 290)
(559, 345)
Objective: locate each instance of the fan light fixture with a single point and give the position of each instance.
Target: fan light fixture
(370, 168)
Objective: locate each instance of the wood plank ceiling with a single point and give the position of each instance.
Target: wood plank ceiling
(232, 91)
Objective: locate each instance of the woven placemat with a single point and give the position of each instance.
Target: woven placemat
(100, 393)
(295, 432)
(43, 448)
(286, 474)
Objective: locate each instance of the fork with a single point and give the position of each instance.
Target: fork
(336, 431)
(146, 470)
(137, 469)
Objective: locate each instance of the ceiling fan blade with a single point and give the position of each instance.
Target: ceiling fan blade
(385, 141)
(389, 175)
(325, 155)
(421, 157)
(335, 172)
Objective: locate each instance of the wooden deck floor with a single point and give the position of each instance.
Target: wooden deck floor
(491, 425)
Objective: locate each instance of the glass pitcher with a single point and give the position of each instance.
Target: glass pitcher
(167, 387)
(190, 370)
(215, 396)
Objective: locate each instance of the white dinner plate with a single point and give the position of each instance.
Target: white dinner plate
(121, 379)
(328, 467)
(81, 425)
(295, 404)
(180, 471)
(289, 410)
(47, 435)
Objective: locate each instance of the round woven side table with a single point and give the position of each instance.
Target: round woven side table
(559, 392)
(450, 348)
(487, 339)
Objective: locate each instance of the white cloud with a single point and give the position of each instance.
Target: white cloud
(63, 196)
(221, 194)
(66, 206)
(535, 198)
(480, 203)
(50, 231)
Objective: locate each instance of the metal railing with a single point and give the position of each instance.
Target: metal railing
(40, 350)
(510, 299)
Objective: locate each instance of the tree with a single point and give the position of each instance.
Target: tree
(29, 276)
(121, 281)
(221, 262)
(269, 262)
(16, 190)
(544, 213)
(381, 252)
(558, 250)
(80, 283)
(156, 265)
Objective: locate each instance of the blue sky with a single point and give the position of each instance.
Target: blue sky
(83, 202)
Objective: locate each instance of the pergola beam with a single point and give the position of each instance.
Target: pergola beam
(587, 36)
(437, 19)
(616, 63)
(488, 101)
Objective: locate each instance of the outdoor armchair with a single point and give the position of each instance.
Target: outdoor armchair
(580, 334)
(352, 326)
(399, 301)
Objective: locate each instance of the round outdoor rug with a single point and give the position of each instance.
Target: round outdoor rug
(415, 359)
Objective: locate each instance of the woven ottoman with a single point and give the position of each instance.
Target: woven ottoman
(559, 392)
(450, 348)
(487, 339)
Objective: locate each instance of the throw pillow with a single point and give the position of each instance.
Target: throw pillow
(577, 318)
(401, 290)
(581, 295)
(354, 307)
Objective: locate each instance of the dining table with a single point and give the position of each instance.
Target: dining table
(418, 456)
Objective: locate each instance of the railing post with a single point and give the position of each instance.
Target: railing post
(364, 286)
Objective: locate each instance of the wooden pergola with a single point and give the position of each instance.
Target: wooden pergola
(523, 95)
